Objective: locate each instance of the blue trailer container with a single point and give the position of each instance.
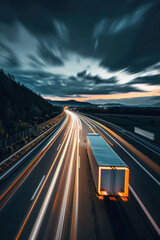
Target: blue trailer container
(110, 173)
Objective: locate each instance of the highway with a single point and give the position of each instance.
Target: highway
(51, 195)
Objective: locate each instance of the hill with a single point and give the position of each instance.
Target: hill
(70, 103)
(20, 107)
(114, 105)
(156, 105)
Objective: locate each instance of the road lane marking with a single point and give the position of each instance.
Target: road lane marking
(105, 137)
(143, 157)
(66, 194)
(45, 148)
(142, 144)
(55, 134)
(37, 197)
(31, 167)
(133, 192)
(47, 198)
(35, 193)
(58, 146)
(130, 156)
(88, 125)
(145, 211)
(79, 161)
(128, 135)
(29, 144)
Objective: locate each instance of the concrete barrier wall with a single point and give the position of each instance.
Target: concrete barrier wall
(144, 133)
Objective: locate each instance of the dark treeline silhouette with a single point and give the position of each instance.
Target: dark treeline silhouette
(20, 107)
(149, 111)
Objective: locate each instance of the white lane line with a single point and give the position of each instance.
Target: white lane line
(130, 155)
(79, 161)
(145, 211)
(35, 193)
(58, 146)
(142, 144)
(128, 135)
(47, 198)
(55, 134)
(87, 124)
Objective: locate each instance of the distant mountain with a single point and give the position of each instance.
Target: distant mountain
(74, 103)
(70, 103)
(156, 105)
(114, 105)
(20, 107)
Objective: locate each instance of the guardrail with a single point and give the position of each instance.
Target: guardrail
(5, 142)
(21, 149)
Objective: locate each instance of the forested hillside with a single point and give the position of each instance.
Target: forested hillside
(20, 107)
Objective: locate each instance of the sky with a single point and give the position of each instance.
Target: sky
(90, 50)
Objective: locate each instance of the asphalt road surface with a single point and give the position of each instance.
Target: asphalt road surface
(50, 194)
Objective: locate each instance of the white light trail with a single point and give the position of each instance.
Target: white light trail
(45, 204)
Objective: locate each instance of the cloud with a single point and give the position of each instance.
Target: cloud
(7, 57)
(61, 30)
(48, 56)
(133, 46)
(117, 40)
(128, 20)
(150, 80)
(82, 74)
(57, 85)
(95, 79)
(113, 26)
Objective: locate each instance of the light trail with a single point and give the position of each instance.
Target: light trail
(66, 192)
(146, 159)
(46, 201)
(38, 195)
(148, 215)
(97, 130)
(128, 135)
(74, 224)
(87, 124)
(29, 167)
(148, 173)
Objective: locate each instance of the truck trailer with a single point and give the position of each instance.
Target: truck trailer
(110, 173)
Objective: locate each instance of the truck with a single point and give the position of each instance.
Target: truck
(110, 173)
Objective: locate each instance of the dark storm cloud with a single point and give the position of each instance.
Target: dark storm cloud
(120, 34)
(49, 84)
(150, 80)
(35, 62)
(8, 58)
(82, 74)
(136, 47)
(94, 79)
(85, 18)
(48, 56)
(59, 90)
